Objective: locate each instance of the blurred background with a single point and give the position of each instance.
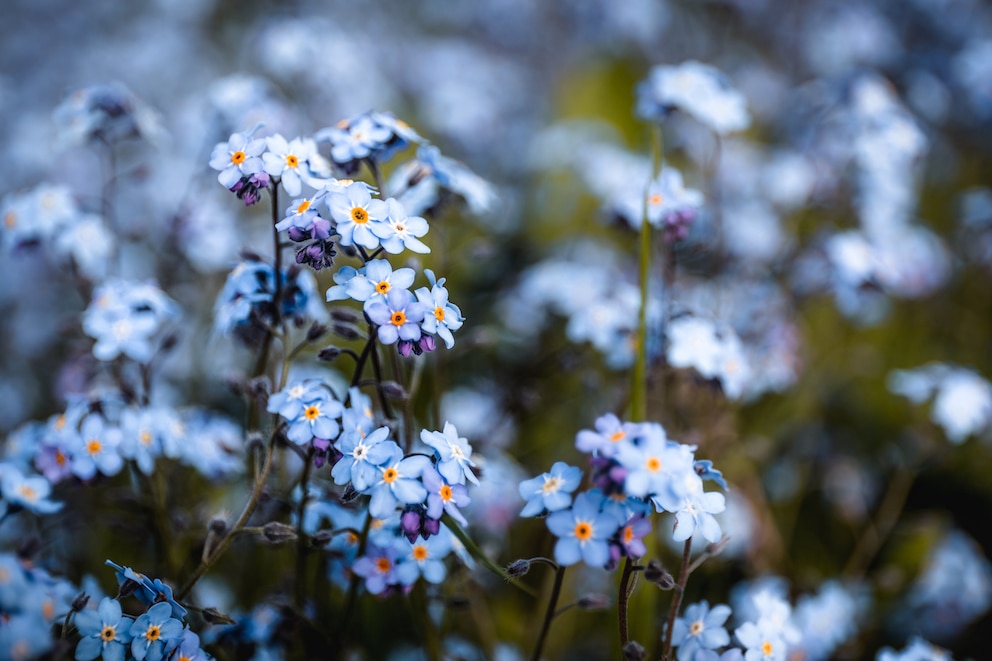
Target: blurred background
(845, 241)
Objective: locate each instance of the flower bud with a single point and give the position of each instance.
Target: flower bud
(634, 651)
(316, 331)
(518, 568)
(593, 602)
(327, 354)
(79, 601)
(277, 532)
(657, 574)
(345, 331)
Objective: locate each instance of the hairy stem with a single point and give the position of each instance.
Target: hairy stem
(549, 614)
(673, 610)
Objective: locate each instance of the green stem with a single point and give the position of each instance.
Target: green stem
(249, 509)
(673, 610)
(549, 614)
(477, 553)
(877, 531)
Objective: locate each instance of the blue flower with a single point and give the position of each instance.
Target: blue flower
(453, 453)
(656, 465)
(441, 316)
(96, 448)
(105, 632)
(704, 468)
(355, 211)
(361, 456)
(550, 491)
(378, 565)
(762, 641)
(398, 483)
(425, 558)
(239, 157)
(289, 161)
(700, 628)
(376, 280)
(126, 318)
(398, 317)
(443, 496)
(310, 410)
(583, 532)
(609, 434)
(301, 213)
(694, 509)
(152, 631)
(399, 232)
(29, 492)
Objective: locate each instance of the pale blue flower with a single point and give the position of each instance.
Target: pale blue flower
(454, 454)
(583, 532)
(550, 491)
(700, 628)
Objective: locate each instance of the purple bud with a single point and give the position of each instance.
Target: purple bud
(321, 229)
(426, 343)
(430, 527)
(404, 347)
(410, 525)
(298, 234)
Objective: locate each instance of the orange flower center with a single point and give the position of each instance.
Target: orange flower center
(383, 287)
(27, 492)
(439, 313)
(583, 531)
(292, 161)
(304, 205)
(359, 215)
(312, 412)
(618, 436)
(93, 446)
(445, 493)
(238, 157)
(60, 422)
(653, 464)
(766, 648)
(153, 633)
(419, 552)
(628, 534)
(60, 457)
(389, 475)
(656, 199)
(10, 219)
(398, 318)
(383, 565)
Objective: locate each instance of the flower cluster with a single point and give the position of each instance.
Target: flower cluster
(633, 466)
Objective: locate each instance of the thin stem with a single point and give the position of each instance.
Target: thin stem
(477, 553)
(877, 531)
(301, 538)
(360, 362)
(673, 610)
(623, 596)
(249, 509)
(639, 397)
(549, 614)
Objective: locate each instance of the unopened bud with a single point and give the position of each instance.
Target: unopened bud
(593, 602)
(344, 315)
(327, 354)
(79, 601)
(316, 331)
(657, 574)
(214, 616)
(345, 331)
(518, 568)
(321, 539)
(277, 532)
(634, 651)
(218, 525)
(393, 390)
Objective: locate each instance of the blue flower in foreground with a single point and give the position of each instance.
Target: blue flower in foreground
(105, 631)
(425, 558)
(399, 483)
(441, 316)
(454, 454)
(399, 232)
(583, 532)
(361, 456)
(398, 318)
(550, 491)
(240, 156)
(700, 628)
(444, 497)
(317, 419)
(355, 212)
(29, 492)
(376, 280)
(152, 630)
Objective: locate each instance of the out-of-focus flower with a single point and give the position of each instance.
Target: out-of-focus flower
(962, 400)
(106, 113)
(697, 89)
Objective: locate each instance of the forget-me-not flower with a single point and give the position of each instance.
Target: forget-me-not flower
(550, 491)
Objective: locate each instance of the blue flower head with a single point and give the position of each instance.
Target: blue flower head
(550, 491)
(105, 632)
(583, 532)
(700, 628)
(152, 631)
(454, 454)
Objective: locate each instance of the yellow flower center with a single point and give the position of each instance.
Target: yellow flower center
(445, 493)
(359, 215)
(93, 446)
(108, 633)
(153, 632)
(551, 484)
(383, 287)
(398, 318)
(145, 437)
(292, 161)
(439, 313)
(304, 205)
(238, 157)
(583, 531)
(420, 552)
(312, 412)
(389, 475)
